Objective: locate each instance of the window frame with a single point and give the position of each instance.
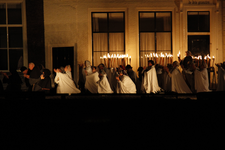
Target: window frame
(108, 32)
(198, 22)
(155, 31)
(24, 32)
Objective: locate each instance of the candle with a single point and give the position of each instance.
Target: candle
(117, 58)
(115, 61)
(154, 56)
(156, 59)
(109, 61)
(130, 60)
(151, 56)
(104, 60)
(101, 58)
(213, 61)
(126, 57)
(178, 55)
(123, 60)
(160, 59)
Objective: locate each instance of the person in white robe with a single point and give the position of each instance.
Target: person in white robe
(178, 83)
(221, 77)
(125, 85)
(150, 81)
(91, 81)
(201, 79)
(65, 82)
(103, 83)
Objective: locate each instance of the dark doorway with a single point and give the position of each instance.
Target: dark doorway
(198, 44)
(63, 56)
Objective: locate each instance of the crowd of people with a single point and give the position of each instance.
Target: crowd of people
(182, 76)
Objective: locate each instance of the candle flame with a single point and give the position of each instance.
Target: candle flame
(104, 56)
(112, 56)
(151, 54)
(130, 57)
(156, 55)
(178, 54)
(115, 56)
(108, 55)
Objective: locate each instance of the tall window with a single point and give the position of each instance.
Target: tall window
(198, 21)
(11, 36)
(155, 34)
(108, 34)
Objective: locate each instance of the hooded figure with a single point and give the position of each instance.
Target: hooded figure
(178, 83)
(65, 82)
(125, 85)
(150, 81)
(201, 79)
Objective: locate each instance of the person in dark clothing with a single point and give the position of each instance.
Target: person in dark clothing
(44, 84)
(14, 81)
(33, 74)
(24, 70)
(131, 74)
(187, 59)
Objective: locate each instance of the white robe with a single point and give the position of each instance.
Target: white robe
(150, 81)
(201, 80)
(104, 86)
(178, 83)
(91, 82)
(221, 79)
(65, 83)
(126, 85)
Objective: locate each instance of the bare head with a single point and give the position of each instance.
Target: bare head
(31, 66)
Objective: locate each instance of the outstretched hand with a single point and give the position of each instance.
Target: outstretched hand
(117, 78)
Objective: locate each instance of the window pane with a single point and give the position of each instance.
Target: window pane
(99, 22)
(198, 44)
(100, 42)
(14, 14)
(147, 22)
(97, 55)
(192, 21)
(116, 42)
(163, 21)
(15, 58)
(3, 59)
(147, 41)
(3, 38)
(204, 21)
(2, 14)
(198, 21)
(116, 22)
(163, 42)
(15, 37)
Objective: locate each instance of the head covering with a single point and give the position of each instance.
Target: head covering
(88, 67)
(128, 67)
(47, 72)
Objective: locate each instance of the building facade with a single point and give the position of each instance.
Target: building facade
(59, 32)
